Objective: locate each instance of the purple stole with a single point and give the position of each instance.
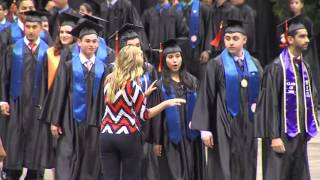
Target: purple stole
(291, 98)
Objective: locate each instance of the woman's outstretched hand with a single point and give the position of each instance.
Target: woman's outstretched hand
(175, 102)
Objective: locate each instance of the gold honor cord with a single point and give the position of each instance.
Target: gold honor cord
(313, 110)
(284, 94)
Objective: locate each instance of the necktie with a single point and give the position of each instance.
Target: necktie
(240, 64)
(88, 64)
(33, 47)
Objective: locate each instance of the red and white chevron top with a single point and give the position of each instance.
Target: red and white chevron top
(124, 114)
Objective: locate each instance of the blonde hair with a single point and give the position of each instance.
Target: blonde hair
(129, 67)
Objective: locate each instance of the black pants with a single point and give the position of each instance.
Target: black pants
(121, 156)
(31, 174)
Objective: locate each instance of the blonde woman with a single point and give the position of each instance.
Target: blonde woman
(121, 146)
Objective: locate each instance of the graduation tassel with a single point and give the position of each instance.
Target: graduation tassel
(285, 44)
(216, 41)
(160, 66)
(117, 46)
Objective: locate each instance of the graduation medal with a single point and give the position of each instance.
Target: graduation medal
(244, 83)
(194, 38)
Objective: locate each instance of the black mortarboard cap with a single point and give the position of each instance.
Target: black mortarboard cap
(173, 45)
(94, 6)
(35, 16)
(68, 19)
(95, 19)
(86, 27)
(235, 26)
(170, 46)
(127, 32)
(292, 25)
(45, 17)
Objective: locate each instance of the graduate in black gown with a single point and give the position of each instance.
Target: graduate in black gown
(104, 52)
(7, 37)
(178, 148)
(225, 107)
(20, 82)
(311, 55)
(15, 31)
(248, 15)
(56, 55)
(196, 52)
(286, 114)
(76, 106)
(3, 19)
(162, 22)
(119, 12)
(221, 11)
(266, 31)
(60, 7)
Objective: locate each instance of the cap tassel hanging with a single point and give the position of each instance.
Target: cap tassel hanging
(285, 44)
(117, 46)
(160, 66)
(216, 41)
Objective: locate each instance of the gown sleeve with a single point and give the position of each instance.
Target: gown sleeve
(202, 114)
(268, 112)
(5, 75)
(57, 96)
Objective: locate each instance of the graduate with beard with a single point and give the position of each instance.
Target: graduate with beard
(286, 114)
(311, 55)
(225, 108)
(15, 31)
(196, 52)
(76, 106)
(20, 82)
(162, 22)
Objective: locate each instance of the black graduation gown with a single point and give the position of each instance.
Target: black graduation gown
(22, 130)
(192, 55)
(223, 12)
(120, 13)
(183, 161)
(48, 143)
(234, 154)
(77, 151)
(141, 5)
(269, 124)
(161, 27)
(248, 16)
(266, 22)
(311, 55)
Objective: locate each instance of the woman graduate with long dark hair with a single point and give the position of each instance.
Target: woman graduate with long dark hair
(178, 147)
